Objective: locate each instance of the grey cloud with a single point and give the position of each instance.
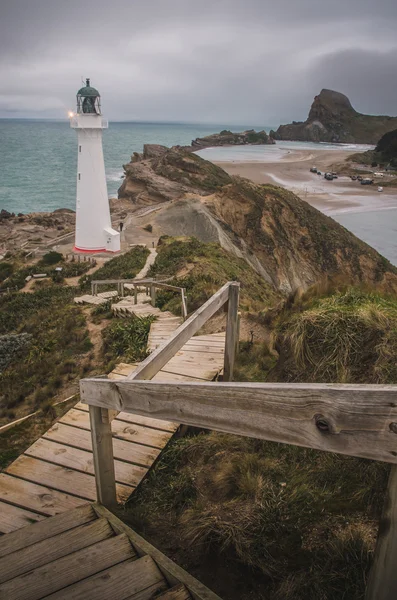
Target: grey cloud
(237, 61)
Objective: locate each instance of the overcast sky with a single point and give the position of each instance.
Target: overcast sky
(220, 61)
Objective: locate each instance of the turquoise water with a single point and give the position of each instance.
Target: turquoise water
(38, 159)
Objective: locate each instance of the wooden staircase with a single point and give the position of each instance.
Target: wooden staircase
(88, 553)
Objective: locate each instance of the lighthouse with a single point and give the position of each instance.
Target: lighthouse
(94, 232)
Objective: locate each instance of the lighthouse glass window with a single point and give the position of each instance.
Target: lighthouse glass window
(89, 105)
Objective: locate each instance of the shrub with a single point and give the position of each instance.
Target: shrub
(51, 258)
(127, 339)
(6, 269)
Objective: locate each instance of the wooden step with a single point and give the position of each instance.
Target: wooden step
(139, 580)
(80, 438)
(60, 478)
(41, 553)
(81, 460)
(46, 529)
(67, 570)
(35, 497)
(178, 592)
(13, 517)
(132, 433)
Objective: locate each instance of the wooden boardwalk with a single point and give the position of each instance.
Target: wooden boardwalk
(56, 473)
(89, 553)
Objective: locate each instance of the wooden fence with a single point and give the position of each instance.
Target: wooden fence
(149, 284)
(357, 420)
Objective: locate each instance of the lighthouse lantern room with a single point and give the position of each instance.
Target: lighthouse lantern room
(94, 232)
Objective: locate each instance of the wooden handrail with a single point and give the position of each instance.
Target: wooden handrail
(156, 361)
(357, 420)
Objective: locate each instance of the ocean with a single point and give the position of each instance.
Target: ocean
(38, 159)
(38, 163)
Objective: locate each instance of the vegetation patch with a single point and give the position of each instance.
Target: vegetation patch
(303, 521)
(126, 339)
(48, 265)
(349, 336)
(59, 340)
(202, 269)
(125, 266)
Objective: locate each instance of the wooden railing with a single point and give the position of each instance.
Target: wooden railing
(149, 284)
(357, 420)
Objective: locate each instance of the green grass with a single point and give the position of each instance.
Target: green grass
(304, 520)
(349, 336)
(209, 267)
(126, 339)
(17, 279)
(125, 266)
(59, 342)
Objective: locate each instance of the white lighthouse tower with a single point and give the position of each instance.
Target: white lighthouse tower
(94, 231)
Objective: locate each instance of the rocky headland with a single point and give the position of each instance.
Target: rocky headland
(288, 242)
(228, 138)
(333, 119)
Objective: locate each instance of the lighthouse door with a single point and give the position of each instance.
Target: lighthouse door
(112, 240)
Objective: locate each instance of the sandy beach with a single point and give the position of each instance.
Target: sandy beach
(291, 169)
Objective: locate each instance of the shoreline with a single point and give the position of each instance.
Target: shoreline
(292, 171)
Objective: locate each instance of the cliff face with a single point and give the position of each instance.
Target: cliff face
(288, 242)
(386, 149)
(333, 119)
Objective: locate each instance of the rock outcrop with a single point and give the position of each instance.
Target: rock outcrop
(333, 119)
(290, 243)
(228, 138)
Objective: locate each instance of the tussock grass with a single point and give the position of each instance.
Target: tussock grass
(126, 339)
(305, 521)
(349, 336)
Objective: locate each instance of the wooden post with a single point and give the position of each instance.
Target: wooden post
(102, 446)
(238, 331)
(231, 331)
(135, 293)
(382, 583)
(153, 294)
(184, 305)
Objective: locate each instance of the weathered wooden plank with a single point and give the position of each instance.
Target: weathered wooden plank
(178, 592)
(382, 583)
(60, 478)
(102, 446)
(197, 373)
(35, 497)
(136, 433)
(124, 450)
(358, 420)
(41, 553)
(138, 579)
(65, 571)
(172, 572)
(231, 331)
(12, 517)
(156, 361)
(143, 421)
(46, 529)
(81, 460)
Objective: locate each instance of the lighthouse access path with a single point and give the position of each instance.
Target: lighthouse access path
(56, 473)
